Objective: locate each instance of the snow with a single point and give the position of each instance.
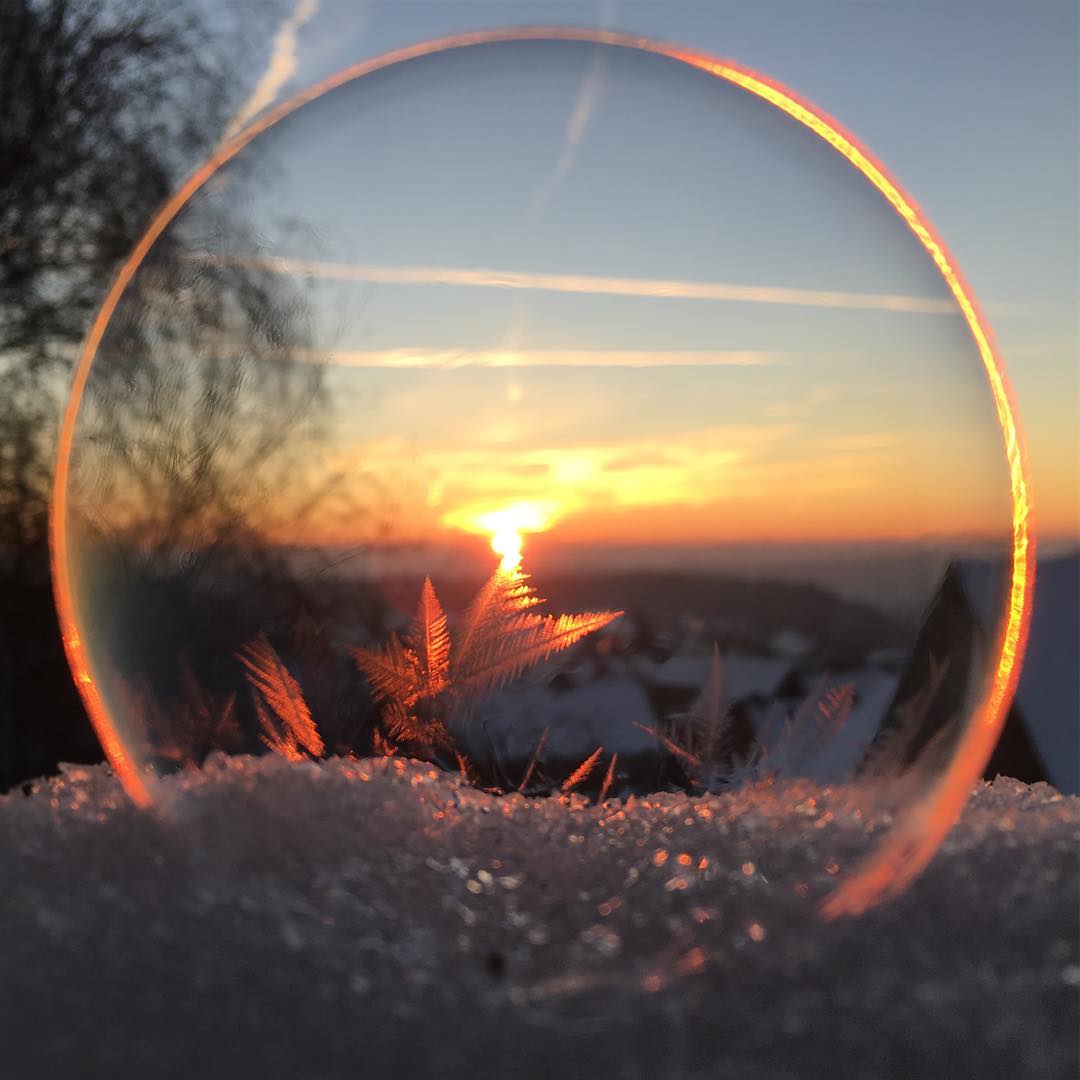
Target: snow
(874, 692)
(1048, 696)
(353, 918)
(745, 675)
(835, 759)
(604, 713)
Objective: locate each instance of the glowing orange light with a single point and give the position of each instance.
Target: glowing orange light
(918, 834)
(505, 526)
(507, 542)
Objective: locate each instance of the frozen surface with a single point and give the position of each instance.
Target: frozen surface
(379, 919)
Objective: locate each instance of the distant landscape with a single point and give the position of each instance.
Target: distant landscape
(898, 577)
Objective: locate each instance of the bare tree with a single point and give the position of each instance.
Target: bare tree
(102, 108)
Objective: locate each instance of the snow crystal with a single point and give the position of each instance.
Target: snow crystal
(381, 918)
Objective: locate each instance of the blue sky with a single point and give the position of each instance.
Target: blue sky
(973, 106)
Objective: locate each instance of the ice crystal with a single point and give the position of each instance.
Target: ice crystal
(424, 680)
(287, 726)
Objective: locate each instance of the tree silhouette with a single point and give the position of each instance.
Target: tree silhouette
(104, 107)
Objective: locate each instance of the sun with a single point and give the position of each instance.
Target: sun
(506, 525)
(508, 543)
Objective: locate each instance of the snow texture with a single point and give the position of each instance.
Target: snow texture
(358, 918)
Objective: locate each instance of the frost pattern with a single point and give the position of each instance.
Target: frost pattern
(424, 680)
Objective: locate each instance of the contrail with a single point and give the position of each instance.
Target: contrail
(280, 69)
(588, 94)
(450, 359)
(587, 284)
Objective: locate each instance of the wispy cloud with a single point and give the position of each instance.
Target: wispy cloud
(516, 358)
(704, 484)
(280, 68)
(688, 470)
(660, 288)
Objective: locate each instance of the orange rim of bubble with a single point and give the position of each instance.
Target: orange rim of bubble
(912, 842)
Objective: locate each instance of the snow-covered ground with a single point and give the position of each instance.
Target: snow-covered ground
(347, 919)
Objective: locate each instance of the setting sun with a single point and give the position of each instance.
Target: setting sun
(505, 526)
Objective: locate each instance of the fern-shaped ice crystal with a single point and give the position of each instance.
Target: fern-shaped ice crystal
(421, 680)
(287, 726)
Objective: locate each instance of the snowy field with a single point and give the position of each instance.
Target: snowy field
(347, 919)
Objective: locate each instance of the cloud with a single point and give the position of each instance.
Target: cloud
(279, 70)
(660, 288)
(702, 469)
(694, 468)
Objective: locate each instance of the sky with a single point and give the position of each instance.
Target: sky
(646, 307)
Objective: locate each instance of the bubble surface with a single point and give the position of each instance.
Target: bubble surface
(558, 411)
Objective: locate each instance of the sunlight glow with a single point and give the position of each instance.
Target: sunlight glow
(505, 526)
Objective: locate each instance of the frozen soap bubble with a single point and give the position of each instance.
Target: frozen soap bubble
(514, 397)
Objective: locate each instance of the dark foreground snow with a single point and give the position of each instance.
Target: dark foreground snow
(355, 919)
